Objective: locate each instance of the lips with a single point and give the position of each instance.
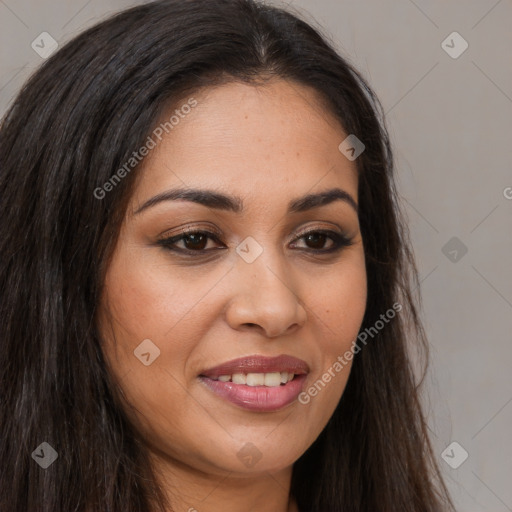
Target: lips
(257, 383)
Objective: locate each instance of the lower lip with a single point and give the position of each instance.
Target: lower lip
(257, 398)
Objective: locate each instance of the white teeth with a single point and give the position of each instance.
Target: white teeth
(255, 379)
(239, 378)
(272, 379)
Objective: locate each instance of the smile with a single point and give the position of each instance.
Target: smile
(272, 383)
(258, 379)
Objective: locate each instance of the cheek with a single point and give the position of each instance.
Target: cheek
(152, 300)
(149, 300)
(137, 298)
(339, 312)
(341, 306)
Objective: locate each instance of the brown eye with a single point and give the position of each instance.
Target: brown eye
(195, 241)
(316, 239)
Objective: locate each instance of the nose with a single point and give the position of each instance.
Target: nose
(265, 297)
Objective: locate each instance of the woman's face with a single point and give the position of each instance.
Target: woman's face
(172, 311)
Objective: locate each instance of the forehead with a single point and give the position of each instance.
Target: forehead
(276, 137)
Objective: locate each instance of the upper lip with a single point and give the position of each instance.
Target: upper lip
(258, 364)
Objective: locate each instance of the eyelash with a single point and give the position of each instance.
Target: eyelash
(339, 241)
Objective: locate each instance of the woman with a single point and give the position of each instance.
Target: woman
(207, 282)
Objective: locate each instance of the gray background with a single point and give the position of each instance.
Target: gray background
(450, 120)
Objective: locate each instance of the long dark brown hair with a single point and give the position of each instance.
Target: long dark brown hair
(76, 121)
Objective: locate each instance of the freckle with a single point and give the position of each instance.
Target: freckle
(246, 116)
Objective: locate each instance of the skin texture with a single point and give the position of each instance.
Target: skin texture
(268, 144)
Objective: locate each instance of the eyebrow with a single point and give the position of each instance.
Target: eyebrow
(219, 201)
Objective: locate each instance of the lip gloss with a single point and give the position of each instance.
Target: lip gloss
(257, 398)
